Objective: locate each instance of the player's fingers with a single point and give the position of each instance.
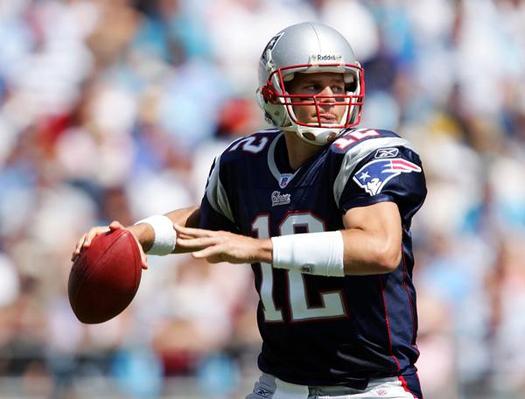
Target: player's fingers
(80, 243)
(78, 247)
(144, 261)
(87, 238)
(143, 257)
(115, 225)
(184, 236)
(193, 231)
(197, 243)
(215, 258)
(209, 253)
(93, 233)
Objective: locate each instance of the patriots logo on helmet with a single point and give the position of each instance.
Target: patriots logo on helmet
(375, 174)
(269, 47)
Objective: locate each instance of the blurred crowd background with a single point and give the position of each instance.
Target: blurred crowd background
(114, 109)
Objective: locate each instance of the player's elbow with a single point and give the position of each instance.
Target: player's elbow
(388, 258)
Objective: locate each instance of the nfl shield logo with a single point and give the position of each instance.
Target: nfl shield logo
(284, 180)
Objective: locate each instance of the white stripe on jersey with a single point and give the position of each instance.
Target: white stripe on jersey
(359, 152)
(216, 193)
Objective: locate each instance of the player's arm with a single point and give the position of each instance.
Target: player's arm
(372, 239)
(144, 233)
(369, 244)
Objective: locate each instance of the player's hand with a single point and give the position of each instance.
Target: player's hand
(223, 246)
(86, 240)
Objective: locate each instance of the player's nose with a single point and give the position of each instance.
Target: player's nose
(326, 96)
(327, 91)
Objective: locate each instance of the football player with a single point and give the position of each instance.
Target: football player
(322, 212)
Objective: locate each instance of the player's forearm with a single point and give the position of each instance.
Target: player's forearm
(337, 253)
(370, 252)
(187, 217)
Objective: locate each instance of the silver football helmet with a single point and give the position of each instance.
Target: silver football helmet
(308, 48)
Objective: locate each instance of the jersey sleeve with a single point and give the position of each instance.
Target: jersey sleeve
(215, 210)
(383, 174)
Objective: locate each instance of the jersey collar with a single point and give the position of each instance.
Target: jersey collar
(283, 179)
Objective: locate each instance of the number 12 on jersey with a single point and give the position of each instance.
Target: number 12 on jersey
(299, 307)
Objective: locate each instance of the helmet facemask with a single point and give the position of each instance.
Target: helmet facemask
(278, 100)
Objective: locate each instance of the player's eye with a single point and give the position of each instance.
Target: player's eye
(312, 88)
(338, 91)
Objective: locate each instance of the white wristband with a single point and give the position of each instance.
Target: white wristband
(165, 235)
(310, 253)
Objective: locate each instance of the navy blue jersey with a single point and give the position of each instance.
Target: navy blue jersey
(320, 330)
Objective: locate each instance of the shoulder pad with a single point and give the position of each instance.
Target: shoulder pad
(383, 145)
(354, 137)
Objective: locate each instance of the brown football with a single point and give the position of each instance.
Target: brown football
(105, 277)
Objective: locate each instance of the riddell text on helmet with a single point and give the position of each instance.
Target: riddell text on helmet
(326, 57)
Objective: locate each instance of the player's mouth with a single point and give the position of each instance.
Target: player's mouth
(328, 118)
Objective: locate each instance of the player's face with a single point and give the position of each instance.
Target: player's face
(320, 84)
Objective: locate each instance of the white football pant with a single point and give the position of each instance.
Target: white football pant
(269, 387)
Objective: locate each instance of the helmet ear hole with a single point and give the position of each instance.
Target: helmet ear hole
(309, 136)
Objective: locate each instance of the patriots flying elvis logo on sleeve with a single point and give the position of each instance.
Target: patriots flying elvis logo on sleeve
(373, 176)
